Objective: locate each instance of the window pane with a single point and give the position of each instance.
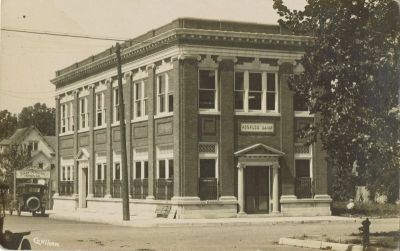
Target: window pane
(270, 82)
(207, 79)
(145, 107)
(206, 99)
(239, 100)
(255, 83)
(239, 81)
(161, 169)
(138, 109)
(99, 118)
(117, 171)
(171, 168)
(138, 172)
(146, 170)
(99, 171)
(299, 103)
(161, 84)
(170, 102)
(270, 101)
(302, 168)
(161, 103)
(145, 89)
(255, 100)
(116, 97)
(207, 168)
(138, 91)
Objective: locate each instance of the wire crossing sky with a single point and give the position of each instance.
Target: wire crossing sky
(39, 37)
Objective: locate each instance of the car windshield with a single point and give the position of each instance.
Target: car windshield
(33, 189)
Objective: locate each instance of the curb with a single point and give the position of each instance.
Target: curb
(326, 245)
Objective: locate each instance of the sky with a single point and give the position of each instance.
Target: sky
(28, 62)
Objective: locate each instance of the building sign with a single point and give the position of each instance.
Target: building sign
(257, 127)
(33, 174)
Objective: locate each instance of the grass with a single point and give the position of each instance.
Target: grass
(366, 209)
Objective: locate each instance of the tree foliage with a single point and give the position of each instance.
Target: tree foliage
(13, 157)
(351, 78)
(39, 115)
(8, 124)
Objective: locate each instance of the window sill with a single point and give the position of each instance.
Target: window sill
(163, 115)
(115, 124)
(266, 114)
(86, 129)
(66, 133)
(139, 119)
(303, 114)
(209, 112)
(100, 127)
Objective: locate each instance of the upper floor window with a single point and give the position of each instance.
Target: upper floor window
(100, 110)
(208, 92)
(116, 105)
(83, 113)
(140, 99)
(165, 95)
(67, 117)
(256, 92)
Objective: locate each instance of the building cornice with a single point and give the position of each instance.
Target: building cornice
(180, 36)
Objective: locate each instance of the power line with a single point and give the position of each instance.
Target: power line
(61, 34)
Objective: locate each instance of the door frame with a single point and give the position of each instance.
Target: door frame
(269, 185)
(82, 183)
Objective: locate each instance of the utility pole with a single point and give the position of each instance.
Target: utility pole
(124, 162)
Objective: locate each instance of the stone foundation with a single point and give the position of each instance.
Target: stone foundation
(320, 205)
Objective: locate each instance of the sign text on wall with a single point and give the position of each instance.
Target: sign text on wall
(33, 174)
(257, 127)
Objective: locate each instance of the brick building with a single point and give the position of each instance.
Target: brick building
(210, 125)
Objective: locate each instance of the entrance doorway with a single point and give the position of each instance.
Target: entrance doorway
(83, 183)
(256, 189)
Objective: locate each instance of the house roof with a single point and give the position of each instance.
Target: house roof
(21, 133)
(51, 140)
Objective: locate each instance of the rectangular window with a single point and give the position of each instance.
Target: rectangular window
(207, 168)
(117, 171)
(207, 89)
(161, 169)
(170, 168)
(100, 110)
(35, 146)
(255, 91)
(68, 173)
(165, 94)
(140, 99)
(116, 105)
(83, 113)
(71, 116)
(271, 92)
(99, 168)
(63, 118)
(302, 167)
(146, 170)
(138, 170)
(239, 90)
(63, 173)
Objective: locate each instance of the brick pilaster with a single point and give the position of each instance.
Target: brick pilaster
(151, 140)
(57, 150)
(108, 105)
(76, 144)
(175, 82)
(128, 112)
(91, 118)
(320, 166)
(287, 130)
(226, 145)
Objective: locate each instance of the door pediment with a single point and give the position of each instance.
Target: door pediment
(259, 150)
(83, 154)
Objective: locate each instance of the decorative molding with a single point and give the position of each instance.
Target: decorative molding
(140, 75)
(208, 63)
(164, 67)
(188, 56)
(127, 74)
(290, 61)
(220, 58)
(256, 65)
(150, 66)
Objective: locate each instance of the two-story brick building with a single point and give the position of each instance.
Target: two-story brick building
(210, 125)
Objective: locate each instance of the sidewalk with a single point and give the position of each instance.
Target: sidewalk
(136, 221)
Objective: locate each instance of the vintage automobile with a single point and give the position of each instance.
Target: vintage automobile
(31, 198)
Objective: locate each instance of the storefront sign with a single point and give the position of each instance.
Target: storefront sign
(33, 174)
(257, 127)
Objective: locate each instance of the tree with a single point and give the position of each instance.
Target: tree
(8, 124)
(14, 157)
(39, 115)
(351, 79)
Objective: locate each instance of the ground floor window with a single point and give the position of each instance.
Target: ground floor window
(67, 179)
(139, 182)
(117, 176)
(208, 171)
(303, 171)
(164, 172)
(99, 183)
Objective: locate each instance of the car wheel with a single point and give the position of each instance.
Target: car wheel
(33, 203)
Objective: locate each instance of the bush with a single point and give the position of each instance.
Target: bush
(365, 209)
